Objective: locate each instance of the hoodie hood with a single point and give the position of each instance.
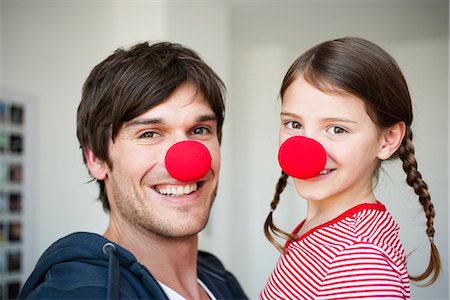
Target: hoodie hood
(84, 259)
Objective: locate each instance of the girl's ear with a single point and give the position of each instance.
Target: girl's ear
(391, 140)
(97, 167)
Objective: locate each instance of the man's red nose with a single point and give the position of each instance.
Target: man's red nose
(188, 161)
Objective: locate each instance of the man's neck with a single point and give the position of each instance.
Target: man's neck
(172, 261)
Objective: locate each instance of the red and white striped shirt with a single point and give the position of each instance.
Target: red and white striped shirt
(357, 255)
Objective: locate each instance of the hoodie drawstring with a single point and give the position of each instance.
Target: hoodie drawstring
(113, 271)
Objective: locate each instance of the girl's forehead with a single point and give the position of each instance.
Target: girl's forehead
(307, 103)
(302, 93)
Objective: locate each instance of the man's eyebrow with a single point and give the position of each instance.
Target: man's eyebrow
(206, 118)
(138, 122)
(159, 121)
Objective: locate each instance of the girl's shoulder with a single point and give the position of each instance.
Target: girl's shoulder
(360, 220)
(362, 224)
(366, 223)
(369, 230)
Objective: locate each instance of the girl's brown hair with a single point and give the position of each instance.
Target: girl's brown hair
(363, 69)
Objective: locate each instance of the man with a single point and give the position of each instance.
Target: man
(135, 106)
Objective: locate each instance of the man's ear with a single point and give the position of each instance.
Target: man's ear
(97, 167)
(391, 140)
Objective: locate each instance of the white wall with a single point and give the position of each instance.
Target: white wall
(47, 49)
(428, 82)
(1, 45)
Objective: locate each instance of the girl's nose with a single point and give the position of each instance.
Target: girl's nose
(302, 157)
(188, 161)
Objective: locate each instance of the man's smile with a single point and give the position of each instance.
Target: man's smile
(176, 190)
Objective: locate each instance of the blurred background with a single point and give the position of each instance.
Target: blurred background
(47, 49)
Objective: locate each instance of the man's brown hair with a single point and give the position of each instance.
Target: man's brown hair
(130, 82)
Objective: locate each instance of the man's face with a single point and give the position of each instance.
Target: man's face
(141, 192)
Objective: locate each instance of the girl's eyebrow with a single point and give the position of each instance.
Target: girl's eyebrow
(343, 120)
(288, 114)
(330, 119)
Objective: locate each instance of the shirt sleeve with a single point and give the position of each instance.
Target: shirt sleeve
(365, 271)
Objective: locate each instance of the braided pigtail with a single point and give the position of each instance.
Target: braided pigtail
(414, 179)
(269, 227)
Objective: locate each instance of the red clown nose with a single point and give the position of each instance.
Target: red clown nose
(188, 161)
(302, 157)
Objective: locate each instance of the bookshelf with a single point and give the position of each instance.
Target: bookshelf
(12, 196)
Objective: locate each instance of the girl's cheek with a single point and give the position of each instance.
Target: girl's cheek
(330, 151)
(283, 136)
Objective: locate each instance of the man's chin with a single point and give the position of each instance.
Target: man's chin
(187, 229)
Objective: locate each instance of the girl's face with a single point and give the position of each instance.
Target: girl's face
(353, 143)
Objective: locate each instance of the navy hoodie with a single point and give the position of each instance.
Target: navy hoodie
(87, 266)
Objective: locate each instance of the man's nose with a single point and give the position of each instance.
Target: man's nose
(188, 161)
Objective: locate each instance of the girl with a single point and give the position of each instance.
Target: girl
(351, 97)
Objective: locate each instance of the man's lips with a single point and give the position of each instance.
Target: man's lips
(178, 189)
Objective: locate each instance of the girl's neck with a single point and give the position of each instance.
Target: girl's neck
(320, 212)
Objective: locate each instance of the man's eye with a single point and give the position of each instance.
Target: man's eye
(201, 130)
(336, 130)
(149, 135)
(293, 125)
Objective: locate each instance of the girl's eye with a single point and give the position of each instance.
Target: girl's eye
(149, 135)
(201, 130)
(336, 130)
(293, 125)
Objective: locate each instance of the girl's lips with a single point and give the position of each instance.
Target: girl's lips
(326, 171)
(322, 174)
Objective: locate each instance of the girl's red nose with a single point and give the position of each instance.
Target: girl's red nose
(188, 161)
(302, 157)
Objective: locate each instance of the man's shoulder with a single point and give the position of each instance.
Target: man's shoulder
(74, 266)
(207, 260)
(217, 278)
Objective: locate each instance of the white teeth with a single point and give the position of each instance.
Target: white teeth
(178, 190)
(187, 189)
(324, 172)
